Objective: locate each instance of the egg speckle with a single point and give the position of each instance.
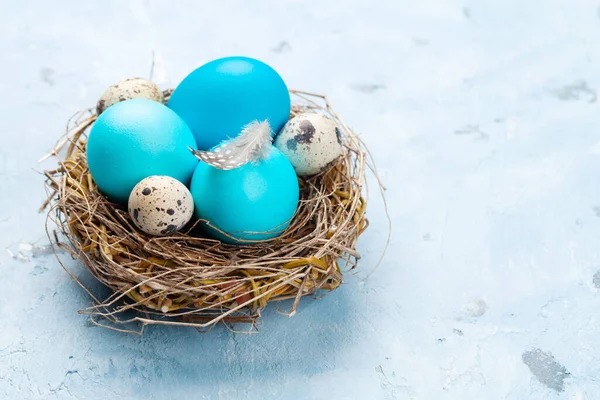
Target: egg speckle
(311, 142)
(128, 89)
(160, 205)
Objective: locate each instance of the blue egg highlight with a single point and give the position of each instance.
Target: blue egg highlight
(135, 139)
(252, 202)
(219, 98)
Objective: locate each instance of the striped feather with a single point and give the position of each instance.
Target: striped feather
(253, 144)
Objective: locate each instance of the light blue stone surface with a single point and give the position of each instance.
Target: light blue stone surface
(484, 121)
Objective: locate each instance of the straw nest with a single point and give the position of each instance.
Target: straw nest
(196, 281)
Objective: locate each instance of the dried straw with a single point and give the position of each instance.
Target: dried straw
(197, 281)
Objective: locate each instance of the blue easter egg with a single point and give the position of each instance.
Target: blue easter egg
(135, 139)
(252, 202)
(219, 98)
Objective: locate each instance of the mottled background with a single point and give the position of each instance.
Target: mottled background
(484, 120)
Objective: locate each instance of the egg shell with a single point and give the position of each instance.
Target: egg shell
(311, 142)
(128, 89)
(160, 205)
(221, 97)
(135, 139)
(254, 202)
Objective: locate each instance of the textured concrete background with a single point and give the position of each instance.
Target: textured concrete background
(484, 120)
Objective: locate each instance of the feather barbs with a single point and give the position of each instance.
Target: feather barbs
(251, 145)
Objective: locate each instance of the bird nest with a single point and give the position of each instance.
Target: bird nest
(190, 280)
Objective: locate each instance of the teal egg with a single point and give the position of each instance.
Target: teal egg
(252, 202)
(135, 139)
(219, 98)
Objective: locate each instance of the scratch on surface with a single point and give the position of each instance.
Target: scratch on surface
(235, 363)
(282, 47)
(13, 352)
(393, 390)
(471, 129)
(546, 309)
(368, 88)
(578, 90)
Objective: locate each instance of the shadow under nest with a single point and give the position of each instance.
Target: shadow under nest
(186, 279)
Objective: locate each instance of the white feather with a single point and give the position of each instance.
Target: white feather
(252, 145)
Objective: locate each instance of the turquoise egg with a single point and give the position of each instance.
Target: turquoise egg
(135, 139)
(252, 202)
(219, 98)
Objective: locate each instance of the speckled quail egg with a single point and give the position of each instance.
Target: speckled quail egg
(311, 142)
(128, 89)
(160, 205)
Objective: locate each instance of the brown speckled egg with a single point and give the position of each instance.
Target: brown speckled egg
(127, 89)
(311, 142)
(160, 205)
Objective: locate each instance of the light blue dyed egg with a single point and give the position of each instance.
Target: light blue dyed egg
(135, 139)
(253, 202)
(219, 98)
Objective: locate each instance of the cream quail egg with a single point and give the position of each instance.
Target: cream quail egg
(127, 89)
(160, 205)
(311, 142)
